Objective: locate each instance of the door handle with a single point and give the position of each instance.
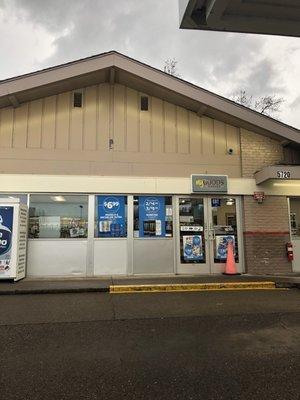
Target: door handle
(212, 234)
(205, 232)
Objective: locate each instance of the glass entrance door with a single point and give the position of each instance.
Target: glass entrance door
(224, 226)
(204, 227)
(192, 236)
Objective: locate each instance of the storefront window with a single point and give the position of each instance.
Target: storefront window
(22, 197)
(111, 216)
(153, 216)
(58, 216)
(295, 217)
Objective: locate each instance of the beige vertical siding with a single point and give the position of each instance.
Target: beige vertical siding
(158, 137)
(183, 130)
(145, 130)
(35, 114)
(76, 127)
(170, 128)
(63, 121)
(132, 120)
(20, 126)
(90, 118)
(49, 123)
(49, 135)
(195, 133)
(119, 133)
(6, 127)
(103, 120)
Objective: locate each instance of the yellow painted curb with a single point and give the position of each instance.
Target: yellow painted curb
(191, 287)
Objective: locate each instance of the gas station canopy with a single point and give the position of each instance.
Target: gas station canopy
(271, 17)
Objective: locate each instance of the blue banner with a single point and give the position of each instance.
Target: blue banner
(222, 244)
(111, 216)
(6, 230)
(152, 216)
(192, 247)
(216, 202)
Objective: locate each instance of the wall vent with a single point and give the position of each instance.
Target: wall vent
(77, 99)
(144, 103)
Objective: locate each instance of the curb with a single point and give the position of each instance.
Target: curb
(185, 287)
(53, 291)
(196, 287)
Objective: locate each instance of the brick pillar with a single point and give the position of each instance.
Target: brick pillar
(266, 231)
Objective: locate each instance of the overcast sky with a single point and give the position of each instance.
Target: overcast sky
(38, 33)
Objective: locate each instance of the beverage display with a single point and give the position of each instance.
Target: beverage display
(6, 221)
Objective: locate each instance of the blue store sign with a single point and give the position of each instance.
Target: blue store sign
(6, 230)
(152, 216)
(111, 216)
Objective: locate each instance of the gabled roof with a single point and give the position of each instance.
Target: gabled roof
(114, 67)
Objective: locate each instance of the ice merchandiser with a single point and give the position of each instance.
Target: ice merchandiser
(13, 239)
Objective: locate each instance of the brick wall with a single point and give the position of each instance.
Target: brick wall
(266, 232)
(257, 152)
(266, 225)
(270, 216)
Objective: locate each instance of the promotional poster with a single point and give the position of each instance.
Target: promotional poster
(6, 230)
(192, 247)
(152, 216)
(111, 216)
(221, 246)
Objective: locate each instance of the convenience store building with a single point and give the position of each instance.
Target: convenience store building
(128, 170)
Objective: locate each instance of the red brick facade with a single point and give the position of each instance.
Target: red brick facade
(266, 225)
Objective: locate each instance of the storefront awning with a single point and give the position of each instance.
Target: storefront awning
(282, 173)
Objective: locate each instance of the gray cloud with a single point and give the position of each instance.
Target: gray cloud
(263, 80)
(148, 30)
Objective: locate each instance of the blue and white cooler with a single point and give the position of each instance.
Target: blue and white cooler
(13, 239)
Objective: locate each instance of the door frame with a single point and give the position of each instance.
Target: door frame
(209, 267)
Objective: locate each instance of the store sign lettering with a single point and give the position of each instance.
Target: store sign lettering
(209, 183)
(151, 205)
(111, 204)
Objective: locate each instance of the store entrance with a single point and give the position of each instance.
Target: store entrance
(205, 225)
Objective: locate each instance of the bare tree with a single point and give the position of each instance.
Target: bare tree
(268, 105)
(170, 67)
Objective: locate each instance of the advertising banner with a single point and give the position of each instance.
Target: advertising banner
(152, 216)
(216, 202)
(6, 231)
(221, 246)
(192, 247)
(111, 216)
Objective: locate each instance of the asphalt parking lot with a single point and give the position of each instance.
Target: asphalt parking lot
(206, 345)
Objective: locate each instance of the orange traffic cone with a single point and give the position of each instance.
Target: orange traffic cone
(230, 268)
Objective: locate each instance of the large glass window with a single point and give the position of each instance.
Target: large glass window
(58, 216)
(111, 216)
(295, 217)
(22, 197)
(153, 216)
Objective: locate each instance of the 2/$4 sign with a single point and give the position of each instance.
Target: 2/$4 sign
(209, 183)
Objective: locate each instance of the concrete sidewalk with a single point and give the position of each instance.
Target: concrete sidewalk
(102, 284)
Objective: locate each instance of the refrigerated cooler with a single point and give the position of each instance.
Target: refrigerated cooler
(13, 239)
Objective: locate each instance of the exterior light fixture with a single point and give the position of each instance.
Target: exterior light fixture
(58, 198)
